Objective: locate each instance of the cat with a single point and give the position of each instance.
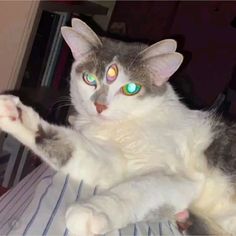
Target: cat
(134, 139)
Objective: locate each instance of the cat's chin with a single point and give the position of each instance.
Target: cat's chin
(96, 115)
(105, 116)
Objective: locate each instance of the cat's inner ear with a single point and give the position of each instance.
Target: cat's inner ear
(162, 47)
(78, 44)
(80, 38)
(163, 66)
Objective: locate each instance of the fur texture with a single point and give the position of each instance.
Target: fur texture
(148, 153)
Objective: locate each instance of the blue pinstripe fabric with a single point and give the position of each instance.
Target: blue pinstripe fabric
(149, 231)
(20, 193)
(15, 212)
(36, 212)
(20, 186)
(160, 229)
(135, 230)
(57, 206)
(170, 227)
(18, 216)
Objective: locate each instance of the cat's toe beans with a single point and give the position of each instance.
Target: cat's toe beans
(8, 106)
(85, 221)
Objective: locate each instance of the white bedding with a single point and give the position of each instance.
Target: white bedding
(36, 206)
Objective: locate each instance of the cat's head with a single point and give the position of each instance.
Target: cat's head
(114, 79)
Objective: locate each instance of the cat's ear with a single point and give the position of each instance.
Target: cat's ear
(163, 66)
(82, 28)
(80, 38)
(78, 44)
(162, 47)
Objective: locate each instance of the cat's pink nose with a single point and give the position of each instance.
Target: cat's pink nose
(100, 107)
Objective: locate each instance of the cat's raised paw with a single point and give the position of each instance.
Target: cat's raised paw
(8, 107)
(81, 221)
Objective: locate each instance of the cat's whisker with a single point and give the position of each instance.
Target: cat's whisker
(67, 103)
(63, 97)
(62, 100)
(132, 62)
(64, 105)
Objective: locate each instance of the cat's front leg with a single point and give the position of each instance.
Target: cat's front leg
(61, 147)
(54, 144)
(142, 198)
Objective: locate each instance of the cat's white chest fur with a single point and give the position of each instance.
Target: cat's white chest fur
(169, 141)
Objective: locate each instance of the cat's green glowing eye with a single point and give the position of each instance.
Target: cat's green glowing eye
(90, 79)
(131, 89)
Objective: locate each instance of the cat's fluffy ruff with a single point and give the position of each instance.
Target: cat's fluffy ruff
(147, 152)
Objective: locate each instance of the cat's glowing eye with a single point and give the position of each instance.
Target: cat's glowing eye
(112, 73)
(90, 79)
(131, 89)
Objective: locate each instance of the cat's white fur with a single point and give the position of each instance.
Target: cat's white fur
(145, 153)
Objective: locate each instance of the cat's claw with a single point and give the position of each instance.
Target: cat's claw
(81, 221)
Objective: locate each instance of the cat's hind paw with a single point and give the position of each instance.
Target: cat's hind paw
(81, 221)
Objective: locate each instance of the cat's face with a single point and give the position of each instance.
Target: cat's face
(110, 91)
(113, 79)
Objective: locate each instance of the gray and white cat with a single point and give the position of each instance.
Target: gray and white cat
(133, 138)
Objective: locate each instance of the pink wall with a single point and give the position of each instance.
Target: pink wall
(16, 19)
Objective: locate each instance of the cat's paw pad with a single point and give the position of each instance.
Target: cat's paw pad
(183, 220)
(8, 107)
(83, 221)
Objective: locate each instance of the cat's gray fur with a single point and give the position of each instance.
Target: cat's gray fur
(51, 142)
(198, 226)
(222, 151)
